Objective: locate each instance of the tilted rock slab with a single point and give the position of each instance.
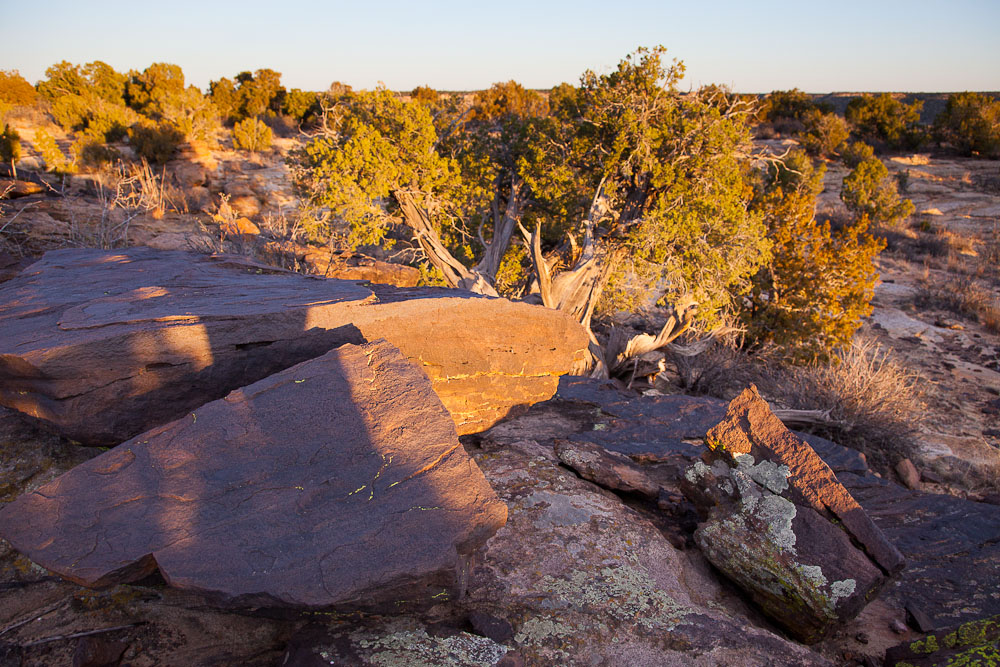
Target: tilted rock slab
(339, 482)
(779, 524)
(104, 345)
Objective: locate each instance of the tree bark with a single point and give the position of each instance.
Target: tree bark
(480, 278)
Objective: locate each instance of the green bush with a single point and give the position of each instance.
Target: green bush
(10, 145)
(252, 135)
(810, 298)
(300, 104)
(886, 119)
(156, 142)
(824, 133)
(15, 90)
(971, 123)
(253, 94)
(869, 192)
(53, 157)
(856, 153)
(93, 153)
(789, 105)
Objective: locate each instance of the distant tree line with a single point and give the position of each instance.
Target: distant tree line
(154, 109)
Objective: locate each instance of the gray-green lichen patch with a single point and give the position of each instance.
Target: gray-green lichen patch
(768, 474)
(403, 643)
(622, 592)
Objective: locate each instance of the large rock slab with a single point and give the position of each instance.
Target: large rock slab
(952, 549)
(582, 578)
(339, 482)
(778, 523)
(104, 345)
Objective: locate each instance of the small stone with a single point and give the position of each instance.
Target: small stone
(862, 637)
(930, 477)
(511, 660)
(908, 474)
(491, 627)
(898, 626)
(917, 619)
(97, 652)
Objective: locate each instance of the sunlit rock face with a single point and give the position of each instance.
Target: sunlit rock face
(339, 482)
(777, 522)
(104, 345)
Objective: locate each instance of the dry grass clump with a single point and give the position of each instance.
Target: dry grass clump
(273, 245)
(964, 297)
(874, 402)
(125, 192)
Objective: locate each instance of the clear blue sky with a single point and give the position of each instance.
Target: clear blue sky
(753, 46)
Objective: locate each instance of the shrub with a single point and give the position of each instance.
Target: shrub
(10, 145)
(155, 88)
(94, 153)
(874, 401)
(225, 98)
(824, 133)
(855, 153)
(870, 192)
(962, 297)
(103, 120)
(14, 89)
(97, 79)
(192, 114)
(971, 123)
(788, 105)
(53, 157)
(810, 298)
(156, 142)
(300, 104)
(886, 119)
(252, 135)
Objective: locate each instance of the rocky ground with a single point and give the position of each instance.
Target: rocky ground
(583, 572)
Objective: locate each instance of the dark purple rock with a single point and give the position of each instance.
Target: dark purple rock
(339, 482)
(773, 521)
(952, 547)
(104, 345)
(498, 629)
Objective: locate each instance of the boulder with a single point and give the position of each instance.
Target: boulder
(337, 483)
(776, 521)
(239, 226)
(610, 470)
(584, 579)
(13, 188)
(189, 174)
(245, 205)
(104, 345)
(908, 473)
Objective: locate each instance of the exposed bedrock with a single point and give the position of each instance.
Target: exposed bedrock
(104, 345)
(339, 483)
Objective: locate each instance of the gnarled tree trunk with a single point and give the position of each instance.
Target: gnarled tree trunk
(481, 277)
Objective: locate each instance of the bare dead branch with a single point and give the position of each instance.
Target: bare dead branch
(76, 635)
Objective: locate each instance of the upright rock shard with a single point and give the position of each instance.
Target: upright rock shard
(771, 508)
(104, 345)
(339, 482)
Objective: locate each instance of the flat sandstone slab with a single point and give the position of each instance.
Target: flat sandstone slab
(104, 345)
(338, 483)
